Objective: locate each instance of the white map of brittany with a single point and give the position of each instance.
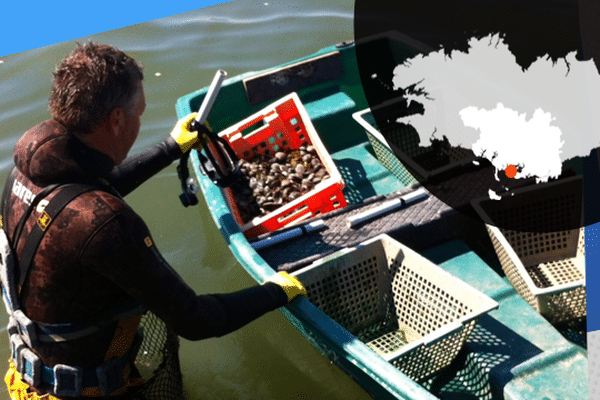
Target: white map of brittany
(507, 137)
(483, 100)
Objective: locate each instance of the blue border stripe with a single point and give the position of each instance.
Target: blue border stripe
(26, 25)
(592, 264)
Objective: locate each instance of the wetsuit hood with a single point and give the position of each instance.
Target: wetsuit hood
(49, 153)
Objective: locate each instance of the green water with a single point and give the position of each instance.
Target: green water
(267, 359)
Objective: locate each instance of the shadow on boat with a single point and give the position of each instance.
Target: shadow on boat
(492, 347)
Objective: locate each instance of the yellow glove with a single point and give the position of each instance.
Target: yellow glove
(184, 136)
(290, 284)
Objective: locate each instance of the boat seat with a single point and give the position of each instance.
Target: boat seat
(329, 106)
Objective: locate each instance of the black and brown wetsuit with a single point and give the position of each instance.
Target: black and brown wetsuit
(98, 253)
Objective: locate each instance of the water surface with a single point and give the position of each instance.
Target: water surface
(268, 359)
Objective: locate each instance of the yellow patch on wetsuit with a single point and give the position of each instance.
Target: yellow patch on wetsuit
(148, 241)
(18, 390)
(44, 220)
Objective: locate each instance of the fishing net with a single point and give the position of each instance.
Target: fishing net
(158, 361)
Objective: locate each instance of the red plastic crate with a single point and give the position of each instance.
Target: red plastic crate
(284, 125)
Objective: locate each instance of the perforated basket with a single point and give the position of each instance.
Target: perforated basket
(284, 125)
(397, 145)
(408, 310)
(546, 268)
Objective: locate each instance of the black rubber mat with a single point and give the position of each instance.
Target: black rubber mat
(423, 224)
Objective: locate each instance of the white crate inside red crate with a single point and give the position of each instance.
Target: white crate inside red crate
(284, 125)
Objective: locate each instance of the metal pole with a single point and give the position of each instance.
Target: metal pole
(211, 95)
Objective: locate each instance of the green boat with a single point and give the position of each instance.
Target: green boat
(501, 347)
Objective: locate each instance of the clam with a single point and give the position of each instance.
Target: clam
(280, 156)
(276, 167)
(307, 182)
(295, 177)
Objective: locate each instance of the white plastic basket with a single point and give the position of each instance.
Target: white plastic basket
(546, 268)
(397, 145)
(555, 288)
(408, 310)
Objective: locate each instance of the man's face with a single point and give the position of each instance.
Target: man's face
(132, 123)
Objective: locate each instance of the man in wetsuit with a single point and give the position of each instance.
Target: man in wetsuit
(76, 297)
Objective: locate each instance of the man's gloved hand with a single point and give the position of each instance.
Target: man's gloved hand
(184, 136)
(290, 284)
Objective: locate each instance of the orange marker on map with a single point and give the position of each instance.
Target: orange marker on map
(510, 171)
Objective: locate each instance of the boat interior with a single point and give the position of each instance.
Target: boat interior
(513, 351)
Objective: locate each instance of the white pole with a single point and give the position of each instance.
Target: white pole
(211, 95)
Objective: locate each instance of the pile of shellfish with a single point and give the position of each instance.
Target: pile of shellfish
(270, 182)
